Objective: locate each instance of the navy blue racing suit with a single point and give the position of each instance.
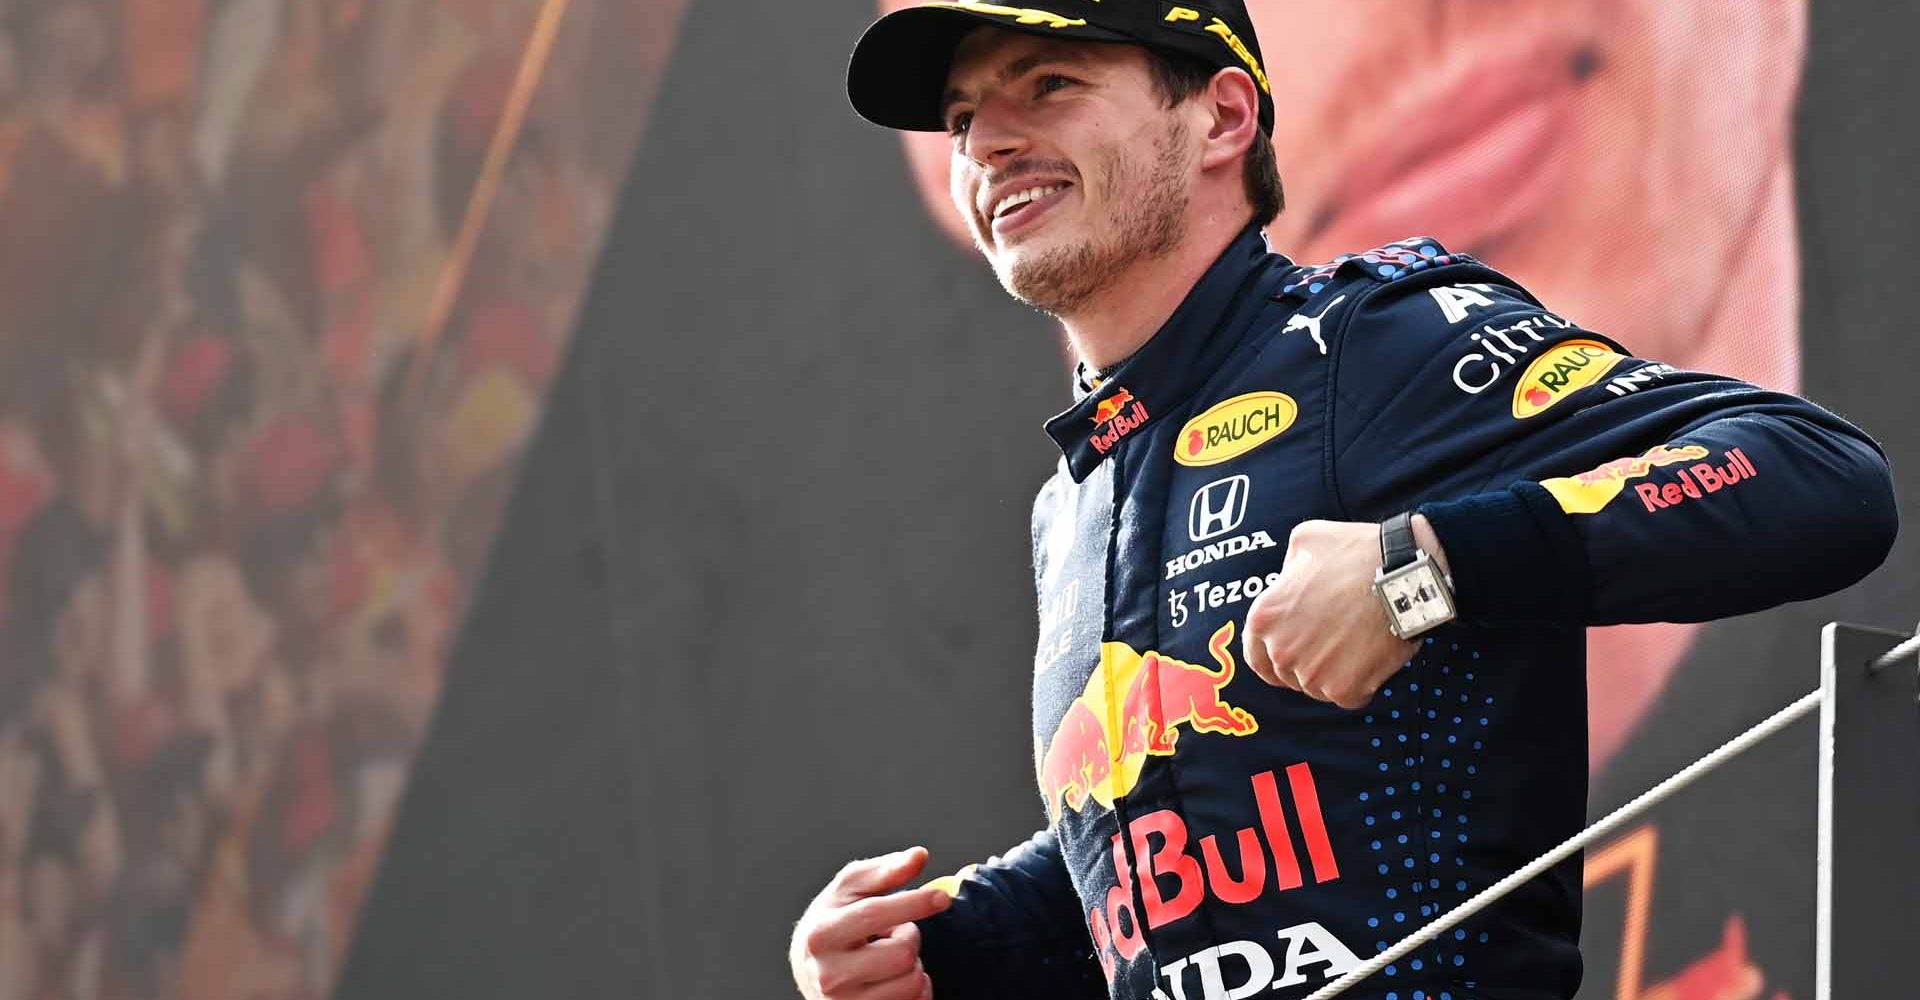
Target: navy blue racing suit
(1211, 837)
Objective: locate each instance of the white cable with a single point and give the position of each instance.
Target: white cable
(1774, 723)
(1902, 651)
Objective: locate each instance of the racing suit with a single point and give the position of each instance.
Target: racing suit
(1211, 837)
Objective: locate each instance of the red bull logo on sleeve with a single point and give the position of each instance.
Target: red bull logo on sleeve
(1590, 492)
(1696, 481)
(1133, 707)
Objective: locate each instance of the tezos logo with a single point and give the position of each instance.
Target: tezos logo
(1232, 427)
(1568, 366)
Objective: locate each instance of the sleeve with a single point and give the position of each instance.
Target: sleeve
(1573, 484)
(1015, 929)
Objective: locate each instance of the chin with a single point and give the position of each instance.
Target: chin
(1013, 265)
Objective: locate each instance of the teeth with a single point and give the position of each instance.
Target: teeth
(1019, 198)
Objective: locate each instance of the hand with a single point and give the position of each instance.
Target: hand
(1321, 631)
(857, 940)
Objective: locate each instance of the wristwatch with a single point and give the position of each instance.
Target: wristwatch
(1417, 596)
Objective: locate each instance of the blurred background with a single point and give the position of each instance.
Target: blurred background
(503, 498)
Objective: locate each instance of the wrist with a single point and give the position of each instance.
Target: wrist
(1429, 542)
(1489, 534)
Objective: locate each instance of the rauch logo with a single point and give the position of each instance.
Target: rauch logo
(1232, 427)
(1555, 375)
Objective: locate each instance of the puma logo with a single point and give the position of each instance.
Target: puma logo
(1311, 324)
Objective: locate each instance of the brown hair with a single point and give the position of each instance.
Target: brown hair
(1177, 77)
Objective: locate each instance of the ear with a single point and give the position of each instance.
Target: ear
(1232, 103)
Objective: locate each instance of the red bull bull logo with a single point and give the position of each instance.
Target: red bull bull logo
(1112, 406)
(1114, 418)
(1590, 492)
(1133, 708)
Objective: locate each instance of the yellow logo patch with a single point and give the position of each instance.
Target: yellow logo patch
(1232, 427)
(1020, 15)
(1566, 367)
(1219, 28)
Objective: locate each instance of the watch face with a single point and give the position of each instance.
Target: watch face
(1415, 599)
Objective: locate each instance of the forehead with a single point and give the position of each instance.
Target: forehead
(989, 52)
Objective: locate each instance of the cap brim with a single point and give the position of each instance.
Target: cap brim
(899, 67)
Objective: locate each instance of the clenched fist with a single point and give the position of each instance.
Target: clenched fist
(858, 941)
(1320, 630)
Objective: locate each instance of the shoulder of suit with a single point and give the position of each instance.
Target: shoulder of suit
(1352, 273)
(1441, 288)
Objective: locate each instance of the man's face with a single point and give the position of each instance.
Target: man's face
(1066, 166)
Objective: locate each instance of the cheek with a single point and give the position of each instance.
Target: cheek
(959, 206)
(956, 190)
(929, 158)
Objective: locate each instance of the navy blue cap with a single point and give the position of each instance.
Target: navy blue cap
(899, 67)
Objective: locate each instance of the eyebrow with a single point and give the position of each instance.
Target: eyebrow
(1012, 71)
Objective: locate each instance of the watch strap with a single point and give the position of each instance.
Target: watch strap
(1397, 547)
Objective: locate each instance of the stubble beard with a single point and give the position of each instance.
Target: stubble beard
(1061, 279)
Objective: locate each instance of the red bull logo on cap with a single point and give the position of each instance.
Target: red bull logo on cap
(1132, 708)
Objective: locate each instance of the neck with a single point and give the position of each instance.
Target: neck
(1115, 322)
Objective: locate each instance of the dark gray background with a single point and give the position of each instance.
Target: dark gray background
(761, 603)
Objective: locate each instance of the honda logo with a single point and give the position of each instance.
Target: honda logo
(1218, 508)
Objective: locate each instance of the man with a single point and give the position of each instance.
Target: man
(1548, 138)
(1260, 760)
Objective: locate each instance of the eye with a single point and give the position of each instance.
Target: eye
(957, 124)
(1051, 82)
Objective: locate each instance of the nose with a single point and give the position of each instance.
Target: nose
(995, 136)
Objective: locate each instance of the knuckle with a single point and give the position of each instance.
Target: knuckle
(807, 977)
(1261, 618)
(816, 938)
(899, 962)
(833, 978)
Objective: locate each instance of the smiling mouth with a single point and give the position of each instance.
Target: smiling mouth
(1024, 197)
(1016, 212)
